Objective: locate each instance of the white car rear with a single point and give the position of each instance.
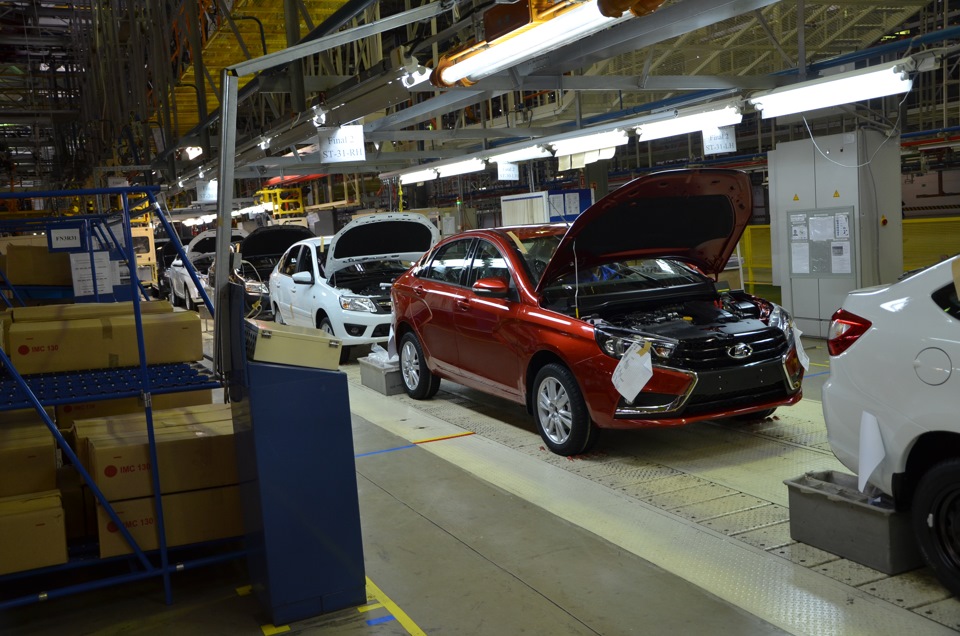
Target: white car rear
(895, 375)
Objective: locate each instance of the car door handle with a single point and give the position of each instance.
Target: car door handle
(419, 291)
(463, 304)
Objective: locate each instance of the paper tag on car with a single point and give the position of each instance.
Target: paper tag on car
(801, 354)
(633, 371)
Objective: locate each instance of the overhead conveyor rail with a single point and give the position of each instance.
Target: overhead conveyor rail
(39, 391)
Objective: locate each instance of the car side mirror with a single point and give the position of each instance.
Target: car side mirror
(491, 288)
(303, 278)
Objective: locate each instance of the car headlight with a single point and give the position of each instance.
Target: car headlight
(781, 319)
(615, 345)
(358, 303)
(255, 287)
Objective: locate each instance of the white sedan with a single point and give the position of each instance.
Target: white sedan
(342, 285)
(200, 252)
(892, 403)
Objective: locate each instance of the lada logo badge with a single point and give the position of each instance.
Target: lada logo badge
(740, 351)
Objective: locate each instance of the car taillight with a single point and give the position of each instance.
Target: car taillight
(845, 329)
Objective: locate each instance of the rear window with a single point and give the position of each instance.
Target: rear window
(946, 299)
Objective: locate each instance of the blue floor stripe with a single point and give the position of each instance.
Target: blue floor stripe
(382, 619)
(385, 450)
(813, 375)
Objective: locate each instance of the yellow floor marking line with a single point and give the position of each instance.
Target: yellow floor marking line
(367, 608)
(246, 590)
(394, 610)
(819, 364)
(445, 437)
(270, 630)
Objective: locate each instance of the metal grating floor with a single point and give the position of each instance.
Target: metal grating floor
(722, 481)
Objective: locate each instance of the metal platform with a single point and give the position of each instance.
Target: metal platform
(54, 389)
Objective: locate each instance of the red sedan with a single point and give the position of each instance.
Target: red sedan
(612, 321)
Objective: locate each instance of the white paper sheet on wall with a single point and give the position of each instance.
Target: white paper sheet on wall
(821, 228)
(840, 257)
(800, 258)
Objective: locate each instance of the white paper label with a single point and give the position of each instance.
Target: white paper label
(633, 371)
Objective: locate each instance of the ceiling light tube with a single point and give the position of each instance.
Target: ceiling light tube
(509, 50)
(834, 90)
(522, 154)
(586, 143)
(419, 175)
(462, 167)
(691, 122)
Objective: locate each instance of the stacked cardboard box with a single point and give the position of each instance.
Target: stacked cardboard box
(32, 533)
(198, 475)
(80, 337)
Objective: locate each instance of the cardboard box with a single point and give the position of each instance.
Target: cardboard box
(86, 311)
(135, 424)
(189, 517)
(67, 414)
(384, 379)
(36, 265)
(32, 532)
(828, 512)
(24, 423)
(75, 512)
(77, 345)
(190, 458)
(28, 463)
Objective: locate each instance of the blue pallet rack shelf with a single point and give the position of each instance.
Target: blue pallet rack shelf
(39, 391)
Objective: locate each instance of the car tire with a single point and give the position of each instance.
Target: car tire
(327, 327)
(560, 411)
(935, 515)
(419, 381)
(755, 416)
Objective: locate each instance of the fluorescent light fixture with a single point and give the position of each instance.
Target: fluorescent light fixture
(508, 50)
(193, 152)
(419, 175)
(264, 142)
(522, 154)
(461, 167)
(834, 90)
(586, 143)
(690, 122)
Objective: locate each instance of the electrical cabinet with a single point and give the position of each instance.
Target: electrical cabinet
(836, 222)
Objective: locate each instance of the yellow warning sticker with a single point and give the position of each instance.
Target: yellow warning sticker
(796, 197)
(836, 194)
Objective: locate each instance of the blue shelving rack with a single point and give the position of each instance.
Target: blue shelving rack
(38, 391)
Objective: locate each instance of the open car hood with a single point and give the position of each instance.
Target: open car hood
(696, 216)
(396, 236)
(272, 240)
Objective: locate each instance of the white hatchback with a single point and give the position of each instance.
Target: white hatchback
(342, 284)
(892, 403)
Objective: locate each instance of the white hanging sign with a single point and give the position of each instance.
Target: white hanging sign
(719, 140)
(341, 145)
(508, 171)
